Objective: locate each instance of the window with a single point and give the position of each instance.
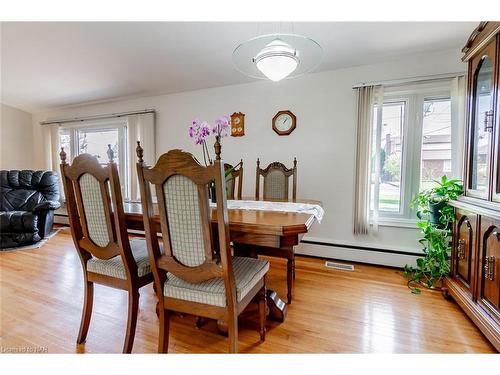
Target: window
(413, 146)
(436, 141)
(93, 138)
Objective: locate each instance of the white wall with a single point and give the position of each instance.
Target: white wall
(16, 138)
(323, 142)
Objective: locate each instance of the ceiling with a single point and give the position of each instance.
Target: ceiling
(49, 64)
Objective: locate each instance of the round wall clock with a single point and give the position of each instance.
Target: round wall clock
(284, 122)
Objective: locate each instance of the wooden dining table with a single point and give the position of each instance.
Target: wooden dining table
(275, 232)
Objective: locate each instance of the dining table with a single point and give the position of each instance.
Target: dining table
(275, 232)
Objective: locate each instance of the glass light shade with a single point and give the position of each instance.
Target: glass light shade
(277, 67)
(277, 60)
(277, 56)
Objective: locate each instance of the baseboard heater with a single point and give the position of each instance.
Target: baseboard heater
(362, 248)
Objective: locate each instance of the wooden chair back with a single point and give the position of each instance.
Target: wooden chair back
(95, 209)
(236, 175)
(190, 251)
(276, 181)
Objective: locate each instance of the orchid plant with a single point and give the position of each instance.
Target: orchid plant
(201, 130)
(222, 126)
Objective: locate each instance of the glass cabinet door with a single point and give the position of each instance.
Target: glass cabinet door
(481, 127)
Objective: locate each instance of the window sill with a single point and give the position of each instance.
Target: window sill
(396, 222)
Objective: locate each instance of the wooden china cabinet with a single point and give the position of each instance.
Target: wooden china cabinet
(474, 282)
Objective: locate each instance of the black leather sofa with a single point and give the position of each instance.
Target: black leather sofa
(27, 203)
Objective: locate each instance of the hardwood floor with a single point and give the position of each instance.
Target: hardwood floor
(368, 310)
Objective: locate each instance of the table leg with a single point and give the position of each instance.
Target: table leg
(289, 279)
(277, 310)
(277, 307)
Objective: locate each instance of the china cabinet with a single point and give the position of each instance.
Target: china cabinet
(474, 282)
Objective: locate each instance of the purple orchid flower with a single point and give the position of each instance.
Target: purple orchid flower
(199, 131)
(222, 125)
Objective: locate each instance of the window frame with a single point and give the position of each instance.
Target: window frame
(411, 152)
(120, 124)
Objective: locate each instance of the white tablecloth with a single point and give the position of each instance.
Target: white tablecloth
(305, 208)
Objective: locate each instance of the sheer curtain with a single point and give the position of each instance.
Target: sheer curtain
(366, 126)
(55, 147)
(54, 159)
(457, 90)
(141, 128)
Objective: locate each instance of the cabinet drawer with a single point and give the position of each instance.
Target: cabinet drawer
(489, 267)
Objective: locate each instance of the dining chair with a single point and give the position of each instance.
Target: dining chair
(235, 174)
(96, 217)
(193, 269)
(276, 181)
(275, 188)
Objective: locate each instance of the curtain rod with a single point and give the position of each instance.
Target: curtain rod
(97, 117)
(404, 81)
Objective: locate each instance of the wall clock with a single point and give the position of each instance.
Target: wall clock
(284, 122)
(238, 124)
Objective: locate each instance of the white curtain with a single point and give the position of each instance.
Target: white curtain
(53, 158)
(140, 128)
(55, 147)
(50, 140)
(366, 126)
(458, 105)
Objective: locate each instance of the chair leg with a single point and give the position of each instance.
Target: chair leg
(133, 308)
(262, 313)
(289, 279)
(164, 330)
(294, 267)
(87, 311)
(233, 333)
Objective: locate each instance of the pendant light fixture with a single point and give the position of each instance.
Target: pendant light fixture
(277, 56)
(277, 60)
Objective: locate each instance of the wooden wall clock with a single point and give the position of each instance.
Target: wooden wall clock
(284, 122)
(238, 124)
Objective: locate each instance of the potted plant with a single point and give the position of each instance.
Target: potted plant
(435, 216)
(200, 131)
(434, 202)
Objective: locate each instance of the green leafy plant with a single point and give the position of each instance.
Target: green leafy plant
(228, 177)
(435, 216)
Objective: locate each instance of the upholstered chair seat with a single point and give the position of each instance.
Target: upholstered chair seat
(247, 273)
(114, 267)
